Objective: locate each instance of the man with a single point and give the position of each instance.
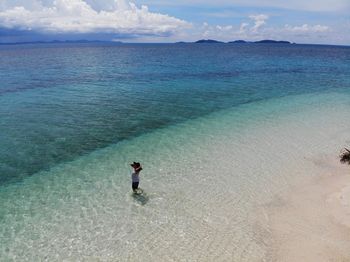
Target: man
(135, 178)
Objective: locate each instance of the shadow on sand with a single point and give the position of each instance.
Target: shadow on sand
(141, 197)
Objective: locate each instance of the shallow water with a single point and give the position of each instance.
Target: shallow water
(58, 102)
(203, 181)
(219, 129)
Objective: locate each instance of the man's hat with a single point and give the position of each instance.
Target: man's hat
(136, 166)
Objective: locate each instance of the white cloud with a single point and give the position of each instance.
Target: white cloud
(305, 28)
(224, 28)
(259, 21)
(259, 30)
(243, 27)
(119, 17)
(77, 16)
(248, 31)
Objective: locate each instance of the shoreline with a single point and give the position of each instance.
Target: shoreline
(311, 222)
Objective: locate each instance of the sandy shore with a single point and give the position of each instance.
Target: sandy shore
(312, 221)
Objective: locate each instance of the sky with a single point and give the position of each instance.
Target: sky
(300, 21)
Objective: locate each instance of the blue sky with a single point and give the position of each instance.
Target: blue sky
(311, 21)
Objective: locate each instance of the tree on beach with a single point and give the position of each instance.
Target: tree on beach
(345, 156)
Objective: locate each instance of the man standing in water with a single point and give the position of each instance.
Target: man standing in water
(135, 178)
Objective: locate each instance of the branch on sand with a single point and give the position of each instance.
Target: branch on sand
(345, 156)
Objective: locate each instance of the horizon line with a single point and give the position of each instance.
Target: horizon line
(84, 41)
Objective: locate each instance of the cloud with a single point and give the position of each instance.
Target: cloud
(243, 28)
(77, 16)
(116, 19)
(230, 32)
(259, 29)
(305, 28)
(224, 28)
(259, 21)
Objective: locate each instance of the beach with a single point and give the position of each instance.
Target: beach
(311, 221)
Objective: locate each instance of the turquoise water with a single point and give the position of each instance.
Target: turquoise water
(58, 102)
(204, 182)
(219, 130)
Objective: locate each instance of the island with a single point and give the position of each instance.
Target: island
(265, 41)
(272, 42)
(237, 42)
(81, 41)
(208, 41)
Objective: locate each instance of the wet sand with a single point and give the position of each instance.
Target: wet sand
(312, 221)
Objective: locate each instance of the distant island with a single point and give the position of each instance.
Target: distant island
(265, 41)
(201, 41)
(238, 42)
(82, 41)
(208, 41)
(272, 42)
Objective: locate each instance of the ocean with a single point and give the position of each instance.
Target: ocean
(220, 129)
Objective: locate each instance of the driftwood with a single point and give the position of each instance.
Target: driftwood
(345, 156)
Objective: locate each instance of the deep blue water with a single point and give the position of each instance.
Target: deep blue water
(61, 101)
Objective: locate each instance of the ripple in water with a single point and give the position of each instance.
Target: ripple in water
(203, 182)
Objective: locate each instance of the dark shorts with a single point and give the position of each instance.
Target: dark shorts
(135, 185)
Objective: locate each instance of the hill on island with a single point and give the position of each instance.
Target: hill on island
(208, 41)
(272, 42)
(265, 41)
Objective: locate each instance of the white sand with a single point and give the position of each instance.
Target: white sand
(312, 221)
